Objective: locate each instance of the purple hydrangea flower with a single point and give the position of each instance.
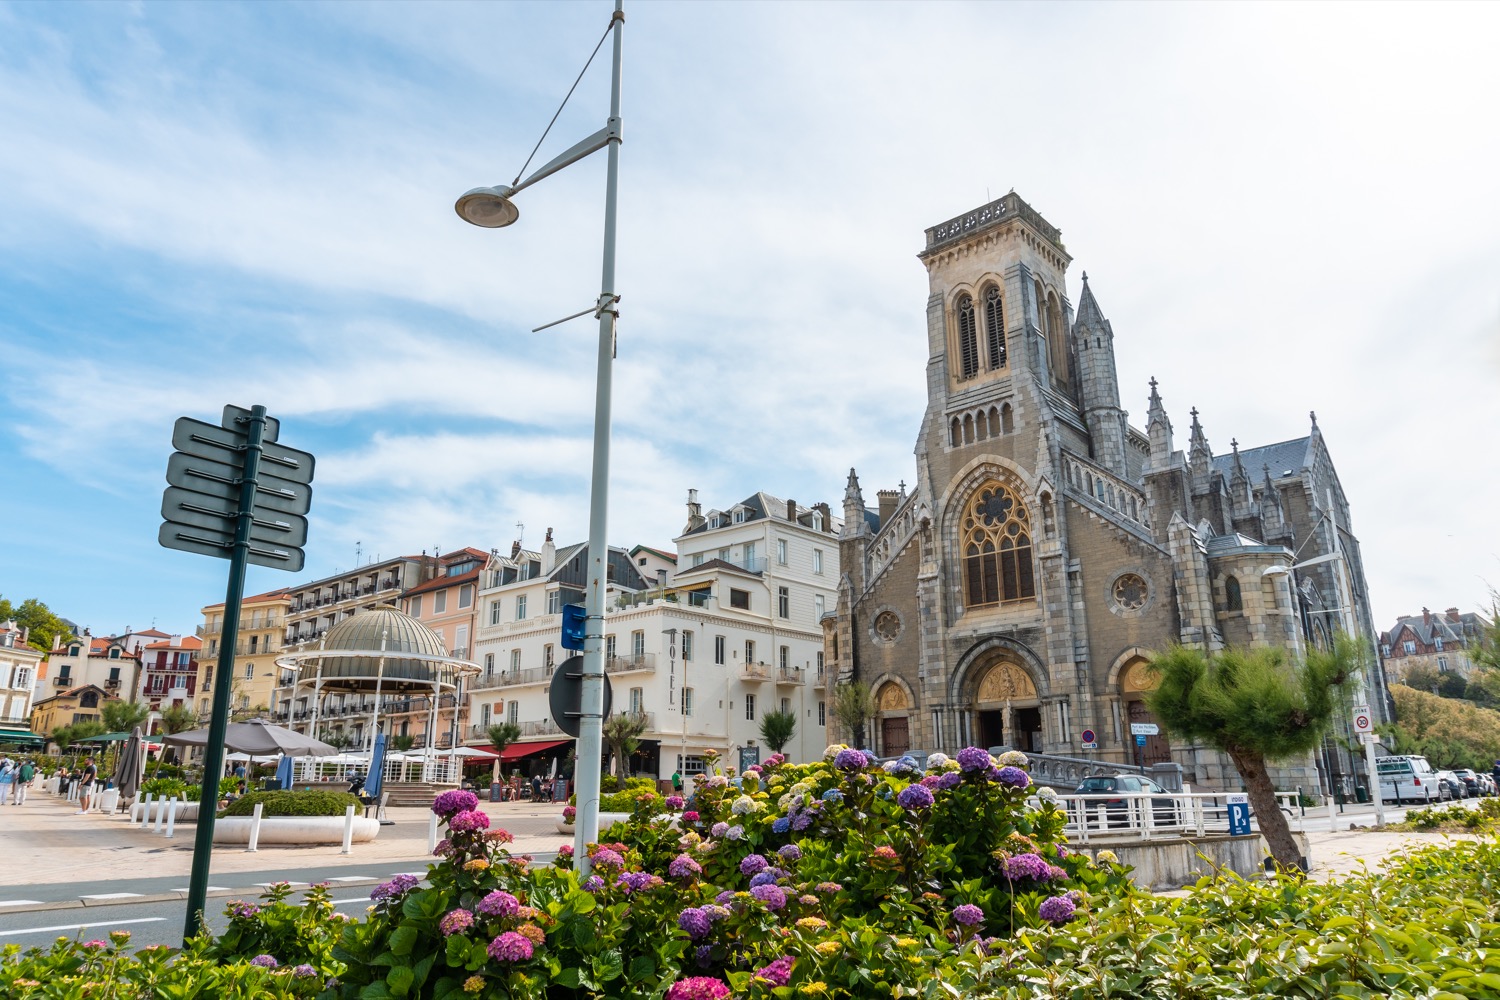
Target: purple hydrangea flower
(675, 801)
(949, 779)
(638, 881)
(735, 832)
(829, 887)
(264, 961)
(695, 922)
(1057, 910)
(243, 911)
(718, 829)
(851, 760)
(764, 878)
(791, 852)
(974, 759)
(967, 915)
(781, 825)
(778, 973)
(455, 801)
(1014, 777)
(715, 911)
(1027, 866)
(304, 971)
(833, 795)
(914, 797)
(455, 922)
(932, 781)
(772, 895)
(683, 866)
(469, 819)
(394, 888)
(724, 898)
(593, 883)
(606, 857)
(510, 947)
(753, 864)
(499, 904)
(802, 821)
(704, 955)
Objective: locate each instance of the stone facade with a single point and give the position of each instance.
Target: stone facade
(1013, 596)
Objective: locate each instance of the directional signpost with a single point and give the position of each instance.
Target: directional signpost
(236, 494)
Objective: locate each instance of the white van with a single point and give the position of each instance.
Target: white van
(1407, 778)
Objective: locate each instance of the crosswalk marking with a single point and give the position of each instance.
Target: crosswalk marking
(113, 895)
(19, 902)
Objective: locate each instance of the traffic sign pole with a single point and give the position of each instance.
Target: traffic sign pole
(213, 752)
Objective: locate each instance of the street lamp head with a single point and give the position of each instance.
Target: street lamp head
(489, 207)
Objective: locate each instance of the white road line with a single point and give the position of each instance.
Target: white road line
(355, 899)
(79, 927)
(19, 902)
(352, 878)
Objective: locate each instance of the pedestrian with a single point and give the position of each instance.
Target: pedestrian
(7, 779)
(676, 781)
(86, 784)
(536, 788)
(24, 776)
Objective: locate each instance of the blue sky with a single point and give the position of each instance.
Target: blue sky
(1281, 208)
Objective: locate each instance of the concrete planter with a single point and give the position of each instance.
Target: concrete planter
(294, 830)
(605, 821)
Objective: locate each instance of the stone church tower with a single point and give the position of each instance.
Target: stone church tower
(1013, 596)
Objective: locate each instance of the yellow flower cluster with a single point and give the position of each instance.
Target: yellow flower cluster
(811, 924)
(473, 984)
(477, 865)
(828, 947)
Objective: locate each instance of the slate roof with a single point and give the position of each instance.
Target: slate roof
(1450, 632)
(1282, 457)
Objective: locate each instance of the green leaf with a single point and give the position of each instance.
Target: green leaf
(642, 968)
(403, 939)
(609, 966)
(400, 979)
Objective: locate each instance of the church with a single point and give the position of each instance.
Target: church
(1013, 596)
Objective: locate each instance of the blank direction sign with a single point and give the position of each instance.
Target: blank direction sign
(219, 445)
(208, 542)
(200, 475)
(199, 510)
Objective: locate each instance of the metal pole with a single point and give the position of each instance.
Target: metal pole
(590, 735)
(213, 751)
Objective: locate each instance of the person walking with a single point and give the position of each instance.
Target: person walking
(25, 774)
(86, 785)
(7, 779)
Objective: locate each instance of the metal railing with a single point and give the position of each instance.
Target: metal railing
(1117, 816)
(510, 678)
(755, 671)
(630, 664)
(541, 727)
(819, 681)
(1066, 772)
(788, 675)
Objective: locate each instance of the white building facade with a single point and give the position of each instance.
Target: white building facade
(703, 649)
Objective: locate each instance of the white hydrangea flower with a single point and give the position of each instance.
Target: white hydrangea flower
(744, 804)
(1012, 758)
(1046, 794)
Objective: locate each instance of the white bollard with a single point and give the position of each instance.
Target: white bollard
(160, 810)
(1333, 815)
(432, 831)
(349, 830)
(171, 817)
(139, 809)
(255, 828)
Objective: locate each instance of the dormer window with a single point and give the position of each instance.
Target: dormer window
(817, 521)
(74, 650)
(740, 514)
(114, 652)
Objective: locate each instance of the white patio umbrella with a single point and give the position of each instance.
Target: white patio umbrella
(468, 752)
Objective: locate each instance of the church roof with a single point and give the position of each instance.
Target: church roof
(1282, 457)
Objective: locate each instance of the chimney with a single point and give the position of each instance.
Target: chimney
(549, 553)
(661, 580)
(889, 501)
(791, 511)
(695, 513)
(1453, 615)
(1426, 617)
(822, 508)
(515, 548)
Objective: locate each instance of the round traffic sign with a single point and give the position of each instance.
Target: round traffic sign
(1087, 736)
(1361, 723)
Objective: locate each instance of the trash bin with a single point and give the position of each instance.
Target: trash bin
(1361, 794)
(494, 791)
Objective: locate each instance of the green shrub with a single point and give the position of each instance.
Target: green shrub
(165, 788)
(294, 803)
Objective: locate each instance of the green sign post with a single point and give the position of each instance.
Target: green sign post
(235, 494)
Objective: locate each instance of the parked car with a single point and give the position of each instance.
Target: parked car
(1453, 788)
(1109, 790)
(1487, 784)
(1473, 787)
(1408, 778)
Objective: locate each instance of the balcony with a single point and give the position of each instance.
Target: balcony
(391, 583)
(755, 671)
(819, 683)
(510, 678)
(113, 684)
(541, 727)
(62, 681)
(630, 664)
(789, 676)
(461, 653)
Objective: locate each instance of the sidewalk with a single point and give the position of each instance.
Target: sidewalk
(46, 841)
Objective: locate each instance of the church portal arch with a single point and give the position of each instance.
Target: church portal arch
(894, 704)
(1136, 680)
(997, 687)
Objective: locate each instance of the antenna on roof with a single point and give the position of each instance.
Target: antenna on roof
(520, 532)
(359, 550)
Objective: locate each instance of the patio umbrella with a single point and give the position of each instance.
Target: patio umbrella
(468, 752)
(131, 766)
(258, 737)
(284, 772)
(373, 777)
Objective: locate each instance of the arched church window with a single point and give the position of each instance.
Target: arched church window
(1007, 423)
(996, 539)
(994, 328)
(968, 428)
(1057, 335)
(968, 338)
(957, 430)
(1232, 599)
(994, 422)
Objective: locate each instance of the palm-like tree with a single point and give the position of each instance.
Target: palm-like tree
(502, 735)
(777, 729)
(177, 719)
(622, 732)
(853, 706)
(122, 716)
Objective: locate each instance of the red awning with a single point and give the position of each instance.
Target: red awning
(514, 751)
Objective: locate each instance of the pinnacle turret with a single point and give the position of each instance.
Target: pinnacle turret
(1159, 430)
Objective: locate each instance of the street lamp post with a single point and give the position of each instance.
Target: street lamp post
(492, 208)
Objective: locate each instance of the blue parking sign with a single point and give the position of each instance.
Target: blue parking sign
(1239, 815)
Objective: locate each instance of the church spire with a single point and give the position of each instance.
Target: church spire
(854, 507)
(1270, 502)
(1239, 484)
(1098, 382)
(1200, 456)
(1159, 430)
